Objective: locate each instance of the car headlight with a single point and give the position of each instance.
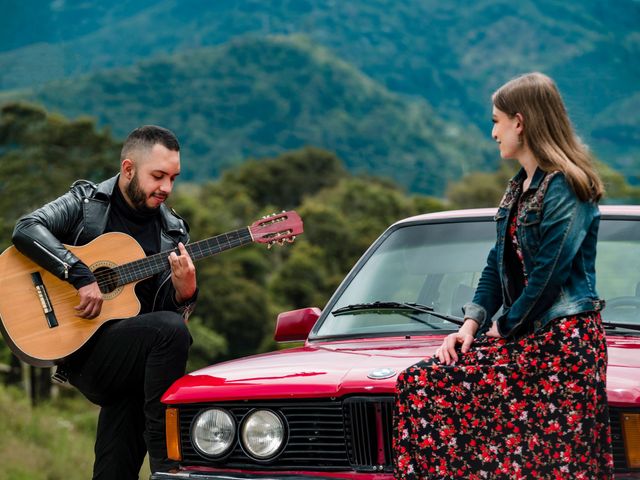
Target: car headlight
(213, 432)
(262, 434)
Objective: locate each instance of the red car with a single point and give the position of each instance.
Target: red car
(324, 410)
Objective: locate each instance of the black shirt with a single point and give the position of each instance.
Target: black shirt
(144, 228)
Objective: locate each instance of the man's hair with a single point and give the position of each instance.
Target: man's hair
(145, 137)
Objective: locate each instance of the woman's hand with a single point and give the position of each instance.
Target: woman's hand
(493, 331)
(465, 335)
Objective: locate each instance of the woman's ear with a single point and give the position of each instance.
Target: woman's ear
(519, 122)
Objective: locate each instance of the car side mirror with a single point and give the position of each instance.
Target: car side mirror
(295, 325)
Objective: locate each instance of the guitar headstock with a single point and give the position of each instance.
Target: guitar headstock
(277, 228)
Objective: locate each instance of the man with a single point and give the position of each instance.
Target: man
(128, 364)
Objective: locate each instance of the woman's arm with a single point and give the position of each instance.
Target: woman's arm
(488, 296)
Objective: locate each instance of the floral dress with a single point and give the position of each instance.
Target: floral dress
(533, 407)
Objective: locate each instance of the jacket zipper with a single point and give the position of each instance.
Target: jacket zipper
(65, 265)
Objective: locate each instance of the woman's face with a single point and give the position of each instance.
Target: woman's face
(506, 131)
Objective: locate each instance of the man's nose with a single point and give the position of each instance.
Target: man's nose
(166, 186)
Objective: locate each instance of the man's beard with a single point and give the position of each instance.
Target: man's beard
(138, 197)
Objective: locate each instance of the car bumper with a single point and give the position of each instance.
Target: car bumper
(184, 475)
(193, 475)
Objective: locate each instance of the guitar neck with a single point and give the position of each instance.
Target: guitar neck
(149, 266)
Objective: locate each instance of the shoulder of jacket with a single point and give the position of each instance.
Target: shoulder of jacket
(86, 187)
(555, 187)
(556, 175)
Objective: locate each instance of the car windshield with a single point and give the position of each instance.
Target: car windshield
(438, 266)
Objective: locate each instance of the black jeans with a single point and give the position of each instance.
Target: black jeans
(125, 369)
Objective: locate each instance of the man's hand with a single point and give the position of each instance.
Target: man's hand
(183, 274)
(465, 335)
(90, 301)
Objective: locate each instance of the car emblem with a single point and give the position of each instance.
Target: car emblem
(381, 373)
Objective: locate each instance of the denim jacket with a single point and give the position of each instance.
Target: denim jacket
(558, 233)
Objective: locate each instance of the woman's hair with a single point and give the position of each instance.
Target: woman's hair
(548, 132)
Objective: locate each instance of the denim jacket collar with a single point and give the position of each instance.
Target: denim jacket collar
(514, 187)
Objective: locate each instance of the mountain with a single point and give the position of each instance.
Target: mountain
(257, 97)
(453, 54)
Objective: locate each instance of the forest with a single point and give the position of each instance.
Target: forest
(241, 290)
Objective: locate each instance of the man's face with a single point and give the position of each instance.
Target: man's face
(152, 178)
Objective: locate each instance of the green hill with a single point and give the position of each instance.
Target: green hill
(453, 54)
(257, 97)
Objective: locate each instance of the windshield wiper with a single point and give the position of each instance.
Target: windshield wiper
(615, 326)
(415, 307)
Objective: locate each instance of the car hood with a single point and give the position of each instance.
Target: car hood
(335, 369)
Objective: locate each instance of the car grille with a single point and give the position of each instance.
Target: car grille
(332, 435)
(316, 436)
(368, 422)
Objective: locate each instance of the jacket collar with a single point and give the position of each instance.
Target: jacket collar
(515, 186)
(170, 220)
(520, 177)
(105, 189)
(171, 223)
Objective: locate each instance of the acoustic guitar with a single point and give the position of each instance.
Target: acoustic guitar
(37, 316)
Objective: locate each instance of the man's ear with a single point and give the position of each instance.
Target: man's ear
(127, 168)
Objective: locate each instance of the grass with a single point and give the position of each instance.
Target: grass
(52, 441)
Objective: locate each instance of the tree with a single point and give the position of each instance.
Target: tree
(480, 189)
(286, 180)
(340, 224)
(41, 154)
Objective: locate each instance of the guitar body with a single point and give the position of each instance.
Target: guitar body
(24, 321)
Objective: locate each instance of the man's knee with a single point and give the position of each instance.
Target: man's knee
(173, 328)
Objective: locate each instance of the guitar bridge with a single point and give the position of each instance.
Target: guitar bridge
(45, 302)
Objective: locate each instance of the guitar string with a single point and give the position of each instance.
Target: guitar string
(232, 240)
(242, 236)
(158, 261)
(143, 268)
(149, 265)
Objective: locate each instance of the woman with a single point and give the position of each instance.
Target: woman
(521, 395)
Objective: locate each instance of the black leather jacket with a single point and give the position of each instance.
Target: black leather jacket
(80, 216)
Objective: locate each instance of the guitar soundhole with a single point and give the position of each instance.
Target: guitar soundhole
(107, 281)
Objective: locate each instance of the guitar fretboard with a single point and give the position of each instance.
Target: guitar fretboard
(149, 266)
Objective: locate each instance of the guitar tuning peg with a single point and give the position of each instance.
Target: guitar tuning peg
(291, 240)
(269, 245)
